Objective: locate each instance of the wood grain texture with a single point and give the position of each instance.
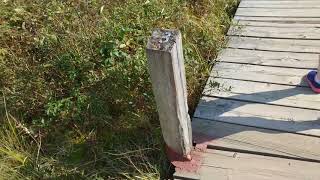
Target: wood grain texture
(257, 111)
(166, 67)
(269, 116)
(287, 20)
(267, 58)
(257, 140)
(236, 166)
(274, 24)
(260, 92)
(279, 75)
(298, 12)
(276, 32)
(186, 176)
(301, 4)
(282, 45)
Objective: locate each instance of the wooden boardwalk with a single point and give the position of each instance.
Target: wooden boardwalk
(257, 117)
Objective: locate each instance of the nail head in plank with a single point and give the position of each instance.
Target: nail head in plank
(235, 166)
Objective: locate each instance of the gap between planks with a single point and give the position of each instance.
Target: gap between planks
(296, 13)
(274, 24)
(247, 128)
(286, 20)
(260, 140)
(233, 165)
(257, 73)
(263, 92)
(269, 58)
(239, 111)
(273, 44)
(276, 32)
(224, 165)
(280, 4)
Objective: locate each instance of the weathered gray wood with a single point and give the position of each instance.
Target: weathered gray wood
(257, 140)
(166, 67)
(264, 93)
(302, 121)
(301, 4)
(268, 58)
(262, 106)
(275, 32)
(278, 12)
(186, 176)
(274, 24)
(279, 75)
(236, 166)
(287, 20)
(284, 45)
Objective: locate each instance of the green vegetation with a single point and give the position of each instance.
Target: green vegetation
(76, 96)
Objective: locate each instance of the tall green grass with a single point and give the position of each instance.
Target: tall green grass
(78, 98)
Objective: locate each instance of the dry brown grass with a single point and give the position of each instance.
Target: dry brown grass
(74, 75)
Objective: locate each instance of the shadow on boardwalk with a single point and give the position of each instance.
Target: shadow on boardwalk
(274, 125)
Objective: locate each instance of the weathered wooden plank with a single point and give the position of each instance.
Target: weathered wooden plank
(284, 95)
(276, 32)
(274, 24)
(280, 4)
(278, 12)
(303, 121)
(166, 67)
(281, 59)
(287, 20)
(186, 176)
(279, 75)
(282, 45)
(256, 140)
(224, 165)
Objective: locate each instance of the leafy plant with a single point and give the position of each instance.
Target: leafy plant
(76, 73)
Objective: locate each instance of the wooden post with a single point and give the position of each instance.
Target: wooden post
(166, 67)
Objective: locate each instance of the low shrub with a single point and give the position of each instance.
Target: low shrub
(74, 75)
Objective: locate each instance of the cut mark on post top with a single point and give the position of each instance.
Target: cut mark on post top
(162, 39)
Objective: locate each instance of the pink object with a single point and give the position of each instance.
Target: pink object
(184, 164)
(316, 90)
(192, 162)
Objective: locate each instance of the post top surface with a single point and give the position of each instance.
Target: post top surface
(162, 39)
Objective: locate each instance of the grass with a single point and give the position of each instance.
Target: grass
(77, 98)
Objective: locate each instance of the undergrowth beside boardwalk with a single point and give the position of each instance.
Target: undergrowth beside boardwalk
(76, 96)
